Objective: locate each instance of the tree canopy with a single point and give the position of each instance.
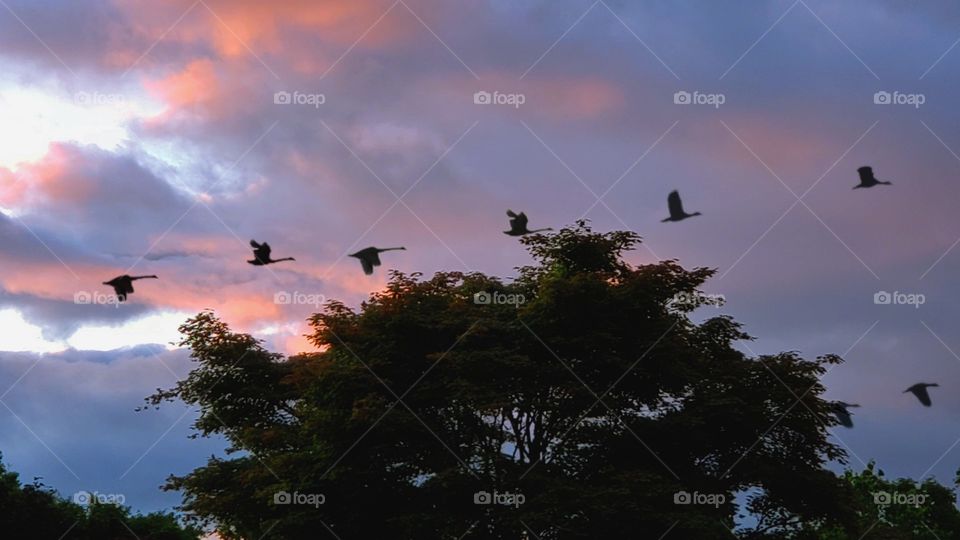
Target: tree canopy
(35, 512)
(577, 401)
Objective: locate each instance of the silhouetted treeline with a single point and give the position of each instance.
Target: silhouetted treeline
(37, 512)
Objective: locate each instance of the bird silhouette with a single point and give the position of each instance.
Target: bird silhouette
(370, 257)
(518, 225)
(920, 390)
(261, 254)
(867, 179)
(839, 409)
(676, 208)
(123, 285)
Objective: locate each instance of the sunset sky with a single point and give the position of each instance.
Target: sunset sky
(146, 137)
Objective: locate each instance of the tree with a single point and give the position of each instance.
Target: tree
(891, 509)
(36, 512)
(580, 399)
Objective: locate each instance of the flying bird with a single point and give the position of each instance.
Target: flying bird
(920, 390)
(370, 257)
(261, 254)
(676, 208)
(839, 409)
(867, 179)
(123, 285)
(518, 225)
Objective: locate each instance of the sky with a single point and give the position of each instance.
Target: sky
(141, 137)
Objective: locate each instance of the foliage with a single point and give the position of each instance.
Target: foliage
(36, 512)
(597, 399)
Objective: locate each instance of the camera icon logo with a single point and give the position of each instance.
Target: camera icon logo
(482, 98)
(82, 297)
(482, 497)
(882, 498)
(681, 497)
(882, 298)
(282, 98)
(682, 98)
(482, 298)
(82, 498)
(282, 298)
(882, 98)
(281, 497)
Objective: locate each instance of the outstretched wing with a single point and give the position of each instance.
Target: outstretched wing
(254, 244)
(367, 265)
(843, 415)
(923, 396)
(674, 203)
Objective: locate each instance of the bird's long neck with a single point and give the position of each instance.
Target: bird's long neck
(144, 277)
(541, 230)
(284, 259)
(393, 249)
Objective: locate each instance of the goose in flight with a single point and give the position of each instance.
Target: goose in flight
(920, 390)
(261, 254)
(675, 205)
(839, 409)
(123, 285)
(867, 179)
(370, 257)
(518, 225)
